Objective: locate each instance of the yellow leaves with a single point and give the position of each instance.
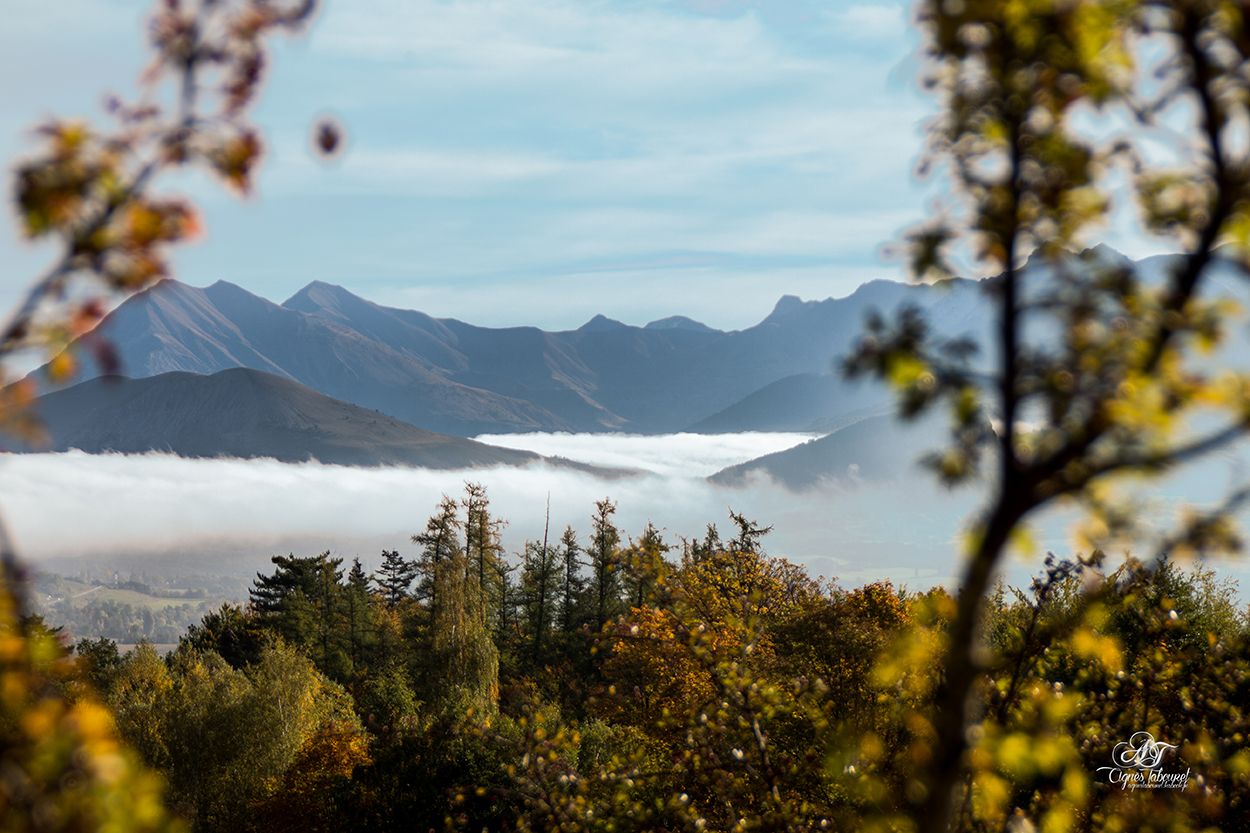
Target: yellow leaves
(1058, 819)
(62, 366)
(1015, 755)
(990, 794)
(1102, 649)
(17, 416)
(62, 760)
(903, 371)
(1174, 202)
(1023, 541)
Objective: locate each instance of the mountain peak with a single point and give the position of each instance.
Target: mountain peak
(787, 305)
(679, 322)
(319, 289)
(324, 297)
(601, 324)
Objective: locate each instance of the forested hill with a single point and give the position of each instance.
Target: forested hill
(453, 377)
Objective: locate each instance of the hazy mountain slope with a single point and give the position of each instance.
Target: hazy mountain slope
(872, 449)
(810, 402)
(176, 327)
(247, 413)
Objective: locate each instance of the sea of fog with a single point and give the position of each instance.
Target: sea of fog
(159, 512)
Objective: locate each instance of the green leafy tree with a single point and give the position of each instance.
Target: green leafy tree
(483, 550)
(467, 660)
(439, 542)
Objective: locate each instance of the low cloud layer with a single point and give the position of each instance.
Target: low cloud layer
(161, 512)
(230, 515)
(668, 455)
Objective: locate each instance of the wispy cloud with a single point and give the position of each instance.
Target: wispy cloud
(497, 141)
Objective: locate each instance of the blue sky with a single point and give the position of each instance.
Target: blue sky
(538, 161)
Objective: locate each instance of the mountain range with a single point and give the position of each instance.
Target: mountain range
(456, 378)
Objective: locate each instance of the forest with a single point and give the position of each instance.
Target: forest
(601, 681)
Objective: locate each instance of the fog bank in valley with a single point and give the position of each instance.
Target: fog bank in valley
(159, 511)
(231, 515)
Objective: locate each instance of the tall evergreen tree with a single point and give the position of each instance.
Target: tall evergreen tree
(572, 582)
(540, 582)
(304, 601)
(604, 552)
(467, 659)
(394, 578)
(359, 614)
(748, 535)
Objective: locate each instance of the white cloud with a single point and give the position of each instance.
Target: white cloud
(123, 506)
(670, 455)
(229, 516)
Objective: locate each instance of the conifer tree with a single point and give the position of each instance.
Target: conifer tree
(572, 582)
(540, 579)
(482, 548)
(439, 542)
(303, 600)
(643, 567)
(359, 620)
(604, 552)
(394, 578)
(468, 662)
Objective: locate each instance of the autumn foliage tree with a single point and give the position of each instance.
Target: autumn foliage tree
(1044, 107)
(91, 188)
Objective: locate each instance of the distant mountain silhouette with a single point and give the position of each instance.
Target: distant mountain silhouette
(873, 449)
(247, 413)
(448, 376)
(679, 322)
(808, 402)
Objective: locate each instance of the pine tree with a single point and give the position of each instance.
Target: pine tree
(394, 578)
(509, 594)
(604, 552)
(540, 581)
(359, 620)
(573, 584)
(749, 534)
(304, 601)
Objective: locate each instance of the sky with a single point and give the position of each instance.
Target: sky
(537, 161)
